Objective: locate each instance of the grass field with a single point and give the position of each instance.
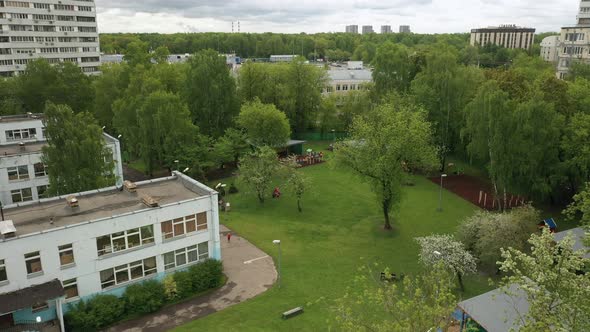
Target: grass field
(339, 230)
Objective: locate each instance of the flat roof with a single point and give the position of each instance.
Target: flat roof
(34, 217)
(579, 235)
(21, 117)
(27, 297)
(15, 149)
(496, 311)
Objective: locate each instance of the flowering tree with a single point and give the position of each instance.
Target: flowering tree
(557, 290)
(453, 255)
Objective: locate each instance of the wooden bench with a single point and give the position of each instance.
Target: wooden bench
(292, 313)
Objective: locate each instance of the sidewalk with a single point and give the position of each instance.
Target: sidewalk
(245, 280)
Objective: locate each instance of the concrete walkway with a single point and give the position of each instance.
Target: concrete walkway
(249, 270)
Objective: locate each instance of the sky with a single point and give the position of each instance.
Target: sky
(312, 16)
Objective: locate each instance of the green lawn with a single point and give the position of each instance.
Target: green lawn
(339, 229)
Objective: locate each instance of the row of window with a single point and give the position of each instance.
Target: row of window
(22, 172)
(574, 36)
(51, 60)
(50, 28)
(45, 17)
(26, 194)
(19, 134)
(31, 39)
(38, 5)
(344, 87)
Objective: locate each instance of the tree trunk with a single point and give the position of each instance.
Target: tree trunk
(261, 197)
(460, 279)
(387, 225)
(299, 205)
(505, 200)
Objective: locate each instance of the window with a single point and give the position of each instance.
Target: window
(70, 288)
(21, 195)
(33, 262)
(39, 306)
(186, 256)
(41, 5)
(3, 275)
(18, 173)
(66, 254)
(40, 170)
(184, 225)
(18, 134)
(127, 272)
(42, 192)
(125, 240)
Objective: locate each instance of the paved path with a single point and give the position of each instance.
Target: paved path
(245, 280)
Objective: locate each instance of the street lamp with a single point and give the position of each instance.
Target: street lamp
(440, 193)
(186, 170)
(334, 135)
(176, 165)
(278, 242)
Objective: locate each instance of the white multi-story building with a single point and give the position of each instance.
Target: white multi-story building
(23, 176)
(68, 248)
(59, 31)
(404, 29)
(386, 29)
(549, 49)
(508, 36)
(351, 77)
(352, 29)
(574, 42)
(368, 29)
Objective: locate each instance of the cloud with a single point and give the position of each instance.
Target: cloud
(294, 16)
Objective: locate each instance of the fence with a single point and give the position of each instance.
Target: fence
(322, 136)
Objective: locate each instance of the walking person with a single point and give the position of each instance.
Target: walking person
(228, 237)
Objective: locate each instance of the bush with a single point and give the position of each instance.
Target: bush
(233, 189)
(170, 288)
(98, 312)
(145, 297)
(184, 284)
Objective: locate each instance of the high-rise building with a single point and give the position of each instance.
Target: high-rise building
(508, 36)
(352, 29)
(59, 31)
(386, 29)
(574, 41)
(368, 29)
(404, 29)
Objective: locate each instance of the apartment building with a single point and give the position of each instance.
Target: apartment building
(404, 29)
(68, 248)
(386, 29)
(23, 176)
(549, 49)
(59, 31)
(574, 42)
(508, 36)
(368, 29)
(352, 29)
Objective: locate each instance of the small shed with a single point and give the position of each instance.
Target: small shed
(292, 147)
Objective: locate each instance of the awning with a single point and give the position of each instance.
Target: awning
(27, 297)
(495, 311)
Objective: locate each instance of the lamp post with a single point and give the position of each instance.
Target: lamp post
(442, 176)
(334, 135)
(176, 165)
(278, 242)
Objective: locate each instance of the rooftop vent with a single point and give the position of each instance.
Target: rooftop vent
(149, 201)
(7, 229)
(21, 145)
(72, 201)
(130, 186)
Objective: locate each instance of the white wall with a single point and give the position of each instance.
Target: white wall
(88, 264)
(23, 124)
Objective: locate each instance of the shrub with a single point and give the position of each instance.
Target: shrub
(144, 298)
(233, 189)
(170, 288)
(206, 275)
(94, 314)
(184, 284)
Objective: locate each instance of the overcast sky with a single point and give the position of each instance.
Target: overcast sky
(310, 16)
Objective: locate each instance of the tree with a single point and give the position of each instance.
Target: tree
(557, 292)
(108, 87)
(161, 54)
(299, 185)
(75, 156)
(384, 144)
(435, 249)
(580, 207)
(421, 303)
(264, 124)
(304, 87)
(485, 233)
(231, 146)
(579, 70)
(211, 93)
(392, 68)
(137, 54)
(257, 170)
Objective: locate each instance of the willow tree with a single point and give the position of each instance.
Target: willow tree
(385, 144)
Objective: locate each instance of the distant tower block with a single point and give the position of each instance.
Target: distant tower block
(232, 26)
(239, 27)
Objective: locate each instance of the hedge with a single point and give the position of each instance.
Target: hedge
(142, 298)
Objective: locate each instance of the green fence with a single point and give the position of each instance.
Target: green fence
(318, 136)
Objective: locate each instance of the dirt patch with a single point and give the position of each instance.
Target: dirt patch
(476, 191)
